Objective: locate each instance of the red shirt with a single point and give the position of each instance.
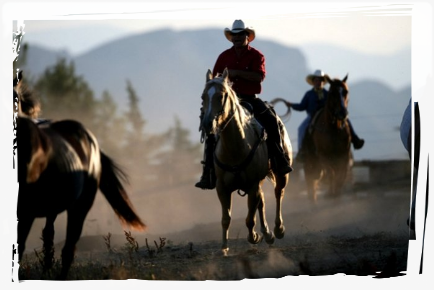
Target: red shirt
(251, 59)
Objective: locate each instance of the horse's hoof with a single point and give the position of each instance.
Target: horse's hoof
(279, 232)
(413, 223)
(257, 238)
(225, 252)
(270, 239)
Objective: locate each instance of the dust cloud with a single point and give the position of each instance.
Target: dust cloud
(180, 212)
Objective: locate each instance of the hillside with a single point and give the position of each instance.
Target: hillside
(167, 69)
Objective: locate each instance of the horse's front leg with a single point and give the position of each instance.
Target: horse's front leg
(312, 175)
(279, 192)
(226, 204)
(19, 229)
(331, 179)
(48, 239)
(253, 201)
(269, 236)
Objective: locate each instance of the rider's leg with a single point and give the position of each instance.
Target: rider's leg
(268, 119)
(357, 142)
(301, 133)
(208, 178)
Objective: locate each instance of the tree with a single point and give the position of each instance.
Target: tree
(14, 51)
(64, 95)
(179, 162)
(110, 128)
(134, 117)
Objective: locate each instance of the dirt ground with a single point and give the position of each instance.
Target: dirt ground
(360, 240)
(363, 233)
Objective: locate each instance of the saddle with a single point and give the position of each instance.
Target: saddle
(280, 128)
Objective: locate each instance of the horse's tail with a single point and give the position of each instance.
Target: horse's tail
(112, 188)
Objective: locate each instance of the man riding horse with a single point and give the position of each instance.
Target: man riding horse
(312, 102)
(246, 67)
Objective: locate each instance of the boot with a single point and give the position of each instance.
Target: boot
(357, 142)
(208, 178)
(282, 164)
(281, 160)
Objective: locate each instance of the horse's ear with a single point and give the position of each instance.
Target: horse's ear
(208, 75)
(345, 78)
(327, 79)
(225, 74)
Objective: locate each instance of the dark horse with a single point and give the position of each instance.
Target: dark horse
(18, 94)
(23, 101)
(241, 159)
(417, 131)
(60, 168)
(328, 142)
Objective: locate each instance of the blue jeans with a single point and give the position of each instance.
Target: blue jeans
(302, 130)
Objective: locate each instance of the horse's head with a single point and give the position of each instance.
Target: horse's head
(218, 101)
(24, 100)
(337, 98)
(32, 150)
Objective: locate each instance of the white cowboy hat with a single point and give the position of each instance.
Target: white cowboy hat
(237, 27)
(317, 74)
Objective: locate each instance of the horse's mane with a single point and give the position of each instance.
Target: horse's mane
(29, 103)
(244, 118)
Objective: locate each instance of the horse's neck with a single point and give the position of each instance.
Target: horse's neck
(233, 139)
(328, 115)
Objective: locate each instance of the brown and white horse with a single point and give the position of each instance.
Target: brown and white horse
(60, 168)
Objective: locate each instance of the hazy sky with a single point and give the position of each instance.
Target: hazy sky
(375, 28)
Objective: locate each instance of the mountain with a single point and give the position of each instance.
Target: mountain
(167, 69)
(392, 69)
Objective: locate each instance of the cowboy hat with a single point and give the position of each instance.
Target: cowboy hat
(237, 27)
(317, 74)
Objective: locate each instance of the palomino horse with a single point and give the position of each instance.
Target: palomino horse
(328, 142)
(61, 167)
(416, 135)
(241, 159)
